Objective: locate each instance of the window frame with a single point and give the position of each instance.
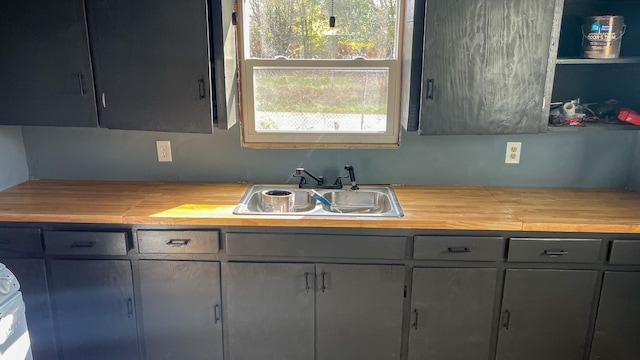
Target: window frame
(252, 138)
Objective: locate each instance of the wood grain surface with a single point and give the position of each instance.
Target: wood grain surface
(425, 207)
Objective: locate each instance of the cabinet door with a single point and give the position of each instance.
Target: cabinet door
(618, 322)
(545, 314)
(269, 311)
(452, 313)
(485, 66)
(45, 70)
(152, 64)
(31, 274)
(223, 49)
(181, 309)
(359, 311)
(94, 309)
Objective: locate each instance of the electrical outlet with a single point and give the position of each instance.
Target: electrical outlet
(164, 151)
(513, 153)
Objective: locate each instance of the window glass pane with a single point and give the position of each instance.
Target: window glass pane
(320, 100)
(299, 29)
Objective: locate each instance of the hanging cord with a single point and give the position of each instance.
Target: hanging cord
(332, 19)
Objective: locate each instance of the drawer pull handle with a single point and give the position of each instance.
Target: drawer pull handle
(506, 319)
(178, 242)
(306, 281)
(5, 242)
(415, 319)
(459, 249)
(130, 307)
(323, 287)
(83, 244)
(556, 253)
(216, 312)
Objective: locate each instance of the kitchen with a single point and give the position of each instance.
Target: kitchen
(582, 158)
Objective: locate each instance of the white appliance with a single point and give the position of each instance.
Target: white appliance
(14, 336)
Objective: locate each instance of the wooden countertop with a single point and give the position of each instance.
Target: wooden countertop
(204, 204)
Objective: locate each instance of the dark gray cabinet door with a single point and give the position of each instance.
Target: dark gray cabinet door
(225, 68)
(618, 322)
(45, 69)
(31, 274)
(181, 309)
(359, 311)
(485, 64)
(94, 309)
(545, 314)
(452, 314)
(269, 311)
(152, 64)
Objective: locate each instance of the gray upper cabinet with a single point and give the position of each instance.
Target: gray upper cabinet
(359, 311)
(545, 314)
(45, 68)
(152, 64)
(95, 311)
(485, 65)
(269, 311)
(618, 322)
(181, 310)
(452, 314)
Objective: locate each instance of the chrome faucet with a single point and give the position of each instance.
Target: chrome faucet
(319, 180)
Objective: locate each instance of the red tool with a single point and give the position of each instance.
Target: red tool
(628, 115)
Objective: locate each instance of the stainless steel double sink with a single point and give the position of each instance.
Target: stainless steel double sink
(368, 201)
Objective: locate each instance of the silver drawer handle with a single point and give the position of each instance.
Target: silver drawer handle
(178, 242)
(556, 253)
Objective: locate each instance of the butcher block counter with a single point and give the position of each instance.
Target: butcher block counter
(425, 207)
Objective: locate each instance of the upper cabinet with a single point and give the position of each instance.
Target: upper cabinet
(485, 66)
(45, 69)
(597, 80)
(151, 61)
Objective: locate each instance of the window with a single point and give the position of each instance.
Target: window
(305, 83)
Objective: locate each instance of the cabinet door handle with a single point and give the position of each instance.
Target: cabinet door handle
(103, 97)
(5, 242)
(216, 313)
(130, 307)
(201, 89)
(555, 253)
(323, 287)
(415, 319)
(81, 83)
(458, 249)
(178, 242)
(306, 282)
(83, 244)
(430, 88)
(506, 319)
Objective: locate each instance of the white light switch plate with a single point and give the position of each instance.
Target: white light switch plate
(164, 150)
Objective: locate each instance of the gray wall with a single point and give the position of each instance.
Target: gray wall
(634, 183)
(13, 160)
(560, 159)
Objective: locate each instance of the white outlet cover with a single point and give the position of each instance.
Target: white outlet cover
(163, 147)
(512, 155)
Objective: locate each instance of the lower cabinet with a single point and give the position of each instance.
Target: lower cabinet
(451, 313)
(545, 314)
(618, 321)
(94, 309)
(181, 313)
(31, 274)
(313, 311)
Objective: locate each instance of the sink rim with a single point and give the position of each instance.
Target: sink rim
(242, 208)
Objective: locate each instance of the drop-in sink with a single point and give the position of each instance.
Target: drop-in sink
(368, 201)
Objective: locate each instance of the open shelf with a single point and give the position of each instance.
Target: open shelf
(594, 127)
(581, 61)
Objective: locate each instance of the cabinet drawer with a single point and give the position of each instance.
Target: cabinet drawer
(554, 250)
(458, 248)
(316, 245)
(178, 242)
(85, 243)
(20, 240)
(625, 252)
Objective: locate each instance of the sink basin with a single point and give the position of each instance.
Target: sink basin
(368, 201)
